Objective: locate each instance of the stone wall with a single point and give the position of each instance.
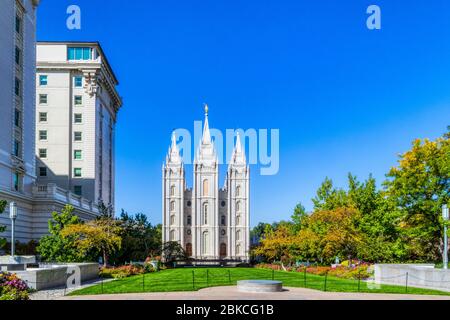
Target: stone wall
(54, 276)
(413, 275)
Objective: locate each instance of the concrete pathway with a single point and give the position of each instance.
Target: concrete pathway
(231, 293)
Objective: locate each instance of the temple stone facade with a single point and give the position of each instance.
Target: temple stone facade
(209, 222)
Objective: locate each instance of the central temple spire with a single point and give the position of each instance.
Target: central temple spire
(206, 133)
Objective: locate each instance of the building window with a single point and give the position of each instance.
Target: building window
(17, 87)
(172, 220)
(77, 172)
(238, 235)
(78, 190)
(223, 232)
(238, 249)
(18, 24)
(238, 220)
(78, 118)
(222, 220)
(223, 203)
(205, 213)
(238, 191)
(43, 80)
(205, 242)
(42, 116)
(189, 203)
(16, 148)
(205, 188)
(78, 100)
(78, 136)
(17, 118)
(43, 99)
(78, 81)
(79, 53)
(42, 171)
(189, 220)
(43, 153)
(43, 135)
(77, 155)
(172, 206)
(172, 190)
(18, 55)
(189, 232)
(172, 235)
(16, 181)
(238, 206)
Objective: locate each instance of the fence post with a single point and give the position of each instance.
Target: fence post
(326, 277)
(273, 274)
(193, 279)
(207, 277)
(143, 282)
(359, 281)
(229, 276)
(102, 285)
(304, 276)
(406, 287)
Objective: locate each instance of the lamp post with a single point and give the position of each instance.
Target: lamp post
(445, 216)
(13, 216)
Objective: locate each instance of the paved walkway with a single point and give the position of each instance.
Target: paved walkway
(231, 293)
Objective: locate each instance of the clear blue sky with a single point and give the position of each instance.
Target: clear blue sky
(344, 98)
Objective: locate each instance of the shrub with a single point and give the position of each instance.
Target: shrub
(13, 288)
(123, 272)
(358, 272)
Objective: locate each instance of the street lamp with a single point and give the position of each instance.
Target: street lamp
(445, 216)
(13, 217)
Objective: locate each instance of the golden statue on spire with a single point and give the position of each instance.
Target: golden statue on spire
(206, 108)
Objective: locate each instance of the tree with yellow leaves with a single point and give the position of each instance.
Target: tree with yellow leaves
(101, 236)
(420, 185)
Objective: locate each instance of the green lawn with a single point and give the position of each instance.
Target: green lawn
(188, 279)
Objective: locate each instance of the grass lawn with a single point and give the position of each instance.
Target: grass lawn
(192, 279)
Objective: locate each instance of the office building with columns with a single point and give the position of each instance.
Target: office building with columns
(76, 110)
(79, 179)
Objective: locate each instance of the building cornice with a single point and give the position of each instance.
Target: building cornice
(94, 72)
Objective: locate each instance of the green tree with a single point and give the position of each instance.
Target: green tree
(420, 185)
(258, 232)
(56, 248)
(172, 251)
(140, 239)
(3, 204)
(299, 216)
(328, 197)
(98, 236)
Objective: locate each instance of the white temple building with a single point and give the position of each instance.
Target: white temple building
(210, 223)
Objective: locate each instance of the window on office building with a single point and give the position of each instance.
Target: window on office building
(78, 136)
(43, 80)
(77, 172)
(42, 171)
(43, 153)
(43, 99)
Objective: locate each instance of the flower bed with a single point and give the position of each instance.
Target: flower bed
(354, 272)
(125, 271)
(13, 288)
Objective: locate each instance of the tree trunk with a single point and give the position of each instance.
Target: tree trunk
(105, 259)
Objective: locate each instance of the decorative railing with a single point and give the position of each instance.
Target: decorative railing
(52, 191)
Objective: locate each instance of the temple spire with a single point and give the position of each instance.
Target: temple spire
(238, 157)
(206, 134)
(174, 147)
(238, 144)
